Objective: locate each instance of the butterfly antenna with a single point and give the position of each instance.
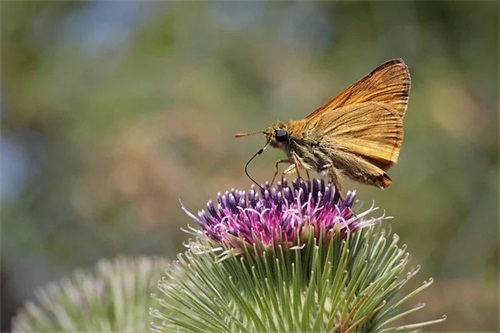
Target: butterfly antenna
(260, 151)
(240, 135)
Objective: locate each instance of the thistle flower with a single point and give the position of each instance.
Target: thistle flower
(287, 259)
(284, 216)
(113, 298)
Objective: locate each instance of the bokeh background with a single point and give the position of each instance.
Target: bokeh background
(113, 111)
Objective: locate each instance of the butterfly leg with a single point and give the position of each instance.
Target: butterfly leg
(335, 181)
(296, 163)
(294, 166)
(277, 168)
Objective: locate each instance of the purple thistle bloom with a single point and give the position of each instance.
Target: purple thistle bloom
(281, 215)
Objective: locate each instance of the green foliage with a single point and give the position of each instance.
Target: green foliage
(353, 285)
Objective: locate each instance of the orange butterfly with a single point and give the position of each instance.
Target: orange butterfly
(357, 134)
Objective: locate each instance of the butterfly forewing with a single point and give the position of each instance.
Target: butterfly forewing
(368, 130)
(388, 84)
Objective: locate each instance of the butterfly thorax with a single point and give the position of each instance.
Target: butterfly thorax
(295, 141)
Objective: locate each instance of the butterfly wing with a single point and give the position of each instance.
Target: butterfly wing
(388, 84)
(368, 130)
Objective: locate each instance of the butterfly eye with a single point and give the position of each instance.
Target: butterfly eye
(280, 135)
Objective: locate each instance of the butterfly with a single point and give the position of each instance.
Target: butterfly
(357, 134)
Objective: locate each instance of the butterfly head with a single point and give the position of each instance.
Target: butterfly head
(277, 135)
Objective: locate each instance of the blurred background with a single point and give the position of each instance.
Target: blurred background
(113, 111)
